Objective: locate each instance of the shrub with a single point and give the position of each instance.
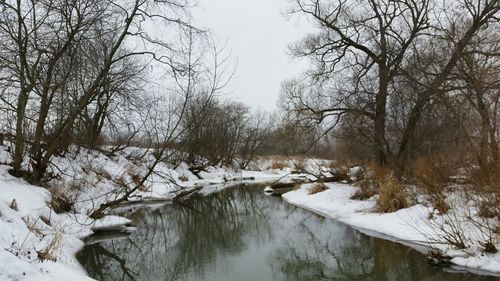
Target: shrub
(392, 195)
(317, 188)
(489, 206)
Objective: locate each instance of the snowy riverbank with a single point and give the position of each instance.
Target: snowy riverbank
(36, 243)
(411, 226)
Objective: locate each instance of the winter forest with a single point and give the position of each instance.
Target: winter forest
(129, 149)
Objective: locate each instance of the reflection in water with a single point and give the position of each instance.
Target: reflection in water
(241, 234)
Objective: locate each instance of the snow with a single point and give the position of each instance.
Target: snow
(410, 226)
(268, 189)
(24, 233)
(28, 225)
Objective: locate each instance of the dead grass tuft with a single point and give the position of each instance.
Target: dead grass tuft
(183, 178)
(489, 206)
(137, 179)
(279, 165)
(59, 202)
(368, 180)
(45, 220)
(49, 252)
(392, 195)
(13, 205)
(366, 190)
(317, 188)
(299, 165)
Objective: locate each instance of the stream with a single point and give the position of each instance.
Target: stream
(241, 234)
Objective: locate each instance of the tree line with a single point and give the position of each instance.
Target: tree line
(394, 81)
(110, 74)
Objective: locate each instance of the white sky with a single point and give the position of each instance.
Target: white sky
(257, 34)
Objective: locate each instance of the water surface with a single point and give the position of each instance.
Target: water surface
(241, 234)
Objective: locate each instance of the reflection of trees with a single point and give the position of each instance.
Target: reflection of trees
(323, 256)
(183, 243)
(174, 241)
(98, 257)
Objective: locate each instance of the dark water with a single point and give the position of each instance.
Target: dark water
(241, 234)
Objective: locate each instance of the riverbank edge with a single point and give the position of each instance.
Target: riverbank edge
(22, 206)
(300, 198)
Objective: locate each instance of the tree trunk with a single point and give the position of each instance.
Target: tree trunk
(380, 117)
(19, 138)
(36, 153)
(484, 145)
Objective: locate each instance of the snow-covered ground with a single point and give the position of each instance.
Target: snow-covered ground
(30, 229)
(412, 226)
(38, 244)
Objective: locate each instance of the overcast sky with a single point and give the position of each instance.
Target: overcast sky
(257, 35)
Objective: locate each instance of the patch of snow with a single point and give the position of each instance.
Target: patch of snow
(410, 226)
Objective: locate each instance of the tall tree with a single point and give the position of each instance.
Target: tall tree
(367, 41)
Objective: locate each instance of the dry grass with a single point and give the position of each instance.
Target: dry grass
(279, 165)
(183, 178)
(317, 188)
(45, 220)
(486, 191)
(299, 165)
(32, 225)
(101, 174)
(489, 206)
(137, 179)
(13, 205)
(392, 195)
(366, 190)
(49, 252)
(368, 181)
(432, 176)
(59, 202)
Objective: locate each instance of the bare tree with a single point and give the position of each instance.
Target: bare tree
(198, 68)
(382, 64)
(366, 42)
(258, 129)
(53, 48)
(478, 74)
(469, 18)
